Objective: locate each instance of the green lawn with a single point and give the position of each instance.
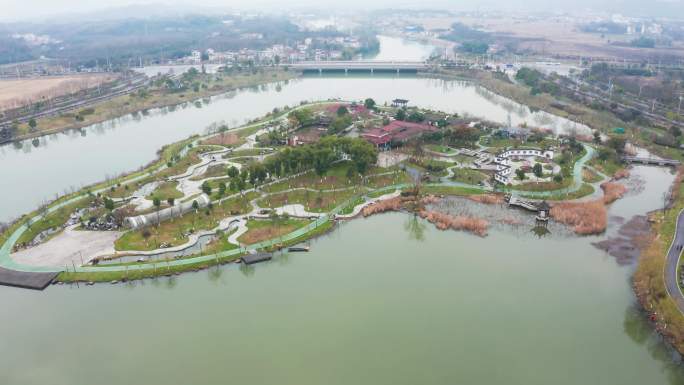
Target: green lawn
(53, 220)
(609, 166)
(585, 190)
(173, 231)
(182, 165)
(466, 175)
(212, 171)
(440, 148)
(334, 178)
(543, 186)
(502, 143)
(380, 181)
(376, 194)
(265, 229)
(350, 208)
(311, 200)
(449, 190)
(589, 176)
(165, 191)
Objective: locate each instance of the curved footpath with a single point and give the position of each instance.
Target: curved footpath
(672, 264)
(7, 262)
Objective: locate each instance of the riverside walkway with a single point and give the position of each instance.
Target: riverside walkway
(8, 263)
(671, 271)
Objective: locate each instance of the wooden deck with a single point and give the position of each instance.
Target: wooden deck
(26, 280)
(256, 258)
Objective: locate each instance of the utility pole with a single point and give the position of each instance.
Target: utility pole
(610, 86)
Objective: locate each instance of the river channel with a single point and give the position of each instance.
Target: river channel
(59, 162)
(383, 300)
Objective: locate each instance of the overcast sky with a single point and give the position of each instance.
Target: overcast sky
(12, 10)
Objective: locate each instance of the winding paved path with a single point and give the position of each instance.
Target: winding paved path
(671, 270)
(6, 248)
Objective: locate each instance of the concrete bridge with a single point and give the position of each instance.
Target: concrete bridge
(651, 161)
(359, 66)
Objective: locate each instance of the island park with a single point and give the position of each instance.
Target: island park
(240, 194)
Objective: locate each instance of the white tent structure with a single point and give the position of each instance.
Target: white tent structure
(167, 213)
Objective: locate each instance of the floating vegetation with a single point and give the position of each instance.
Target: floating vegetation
(612, 191)
(443, 221)
(584, 217)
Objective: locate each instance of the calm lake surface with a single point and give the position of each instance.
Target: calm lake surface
(383, 300)
(370, 304)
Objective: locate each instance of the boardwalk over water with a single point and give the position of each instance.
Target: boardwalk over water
(523, 203)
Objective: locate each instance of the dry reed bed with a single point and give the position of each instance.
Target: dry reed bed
(440, 220)
(443, 221)
(621, 174)
(612, 191)
(589, 217)
(392, 204)
(584, 217)
(429, 199)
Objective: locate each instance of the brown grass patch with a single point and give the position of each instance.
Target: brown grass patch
(612, 191)
(392, 204)
(223, 140)
(265, 233)
(16, 93)
(443, 221)
(621, 174)
(584, 217)
(429, 199)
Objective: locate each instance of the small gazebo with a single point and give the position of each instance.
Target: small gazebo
(543, 209)
(399, 103)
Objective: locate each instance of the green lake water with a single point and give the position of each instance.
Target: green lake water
(382, 300)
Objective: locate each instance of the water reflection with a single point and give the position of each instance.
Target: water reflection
(171, 282)
(415, 227)
(215, 273)
(639, 330)
(636, 326)
(284, 259)
(247, 270)
(541, 231)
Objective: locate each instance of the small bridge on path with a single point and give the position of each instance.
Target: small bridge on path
(651, 161)
(360, 66)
